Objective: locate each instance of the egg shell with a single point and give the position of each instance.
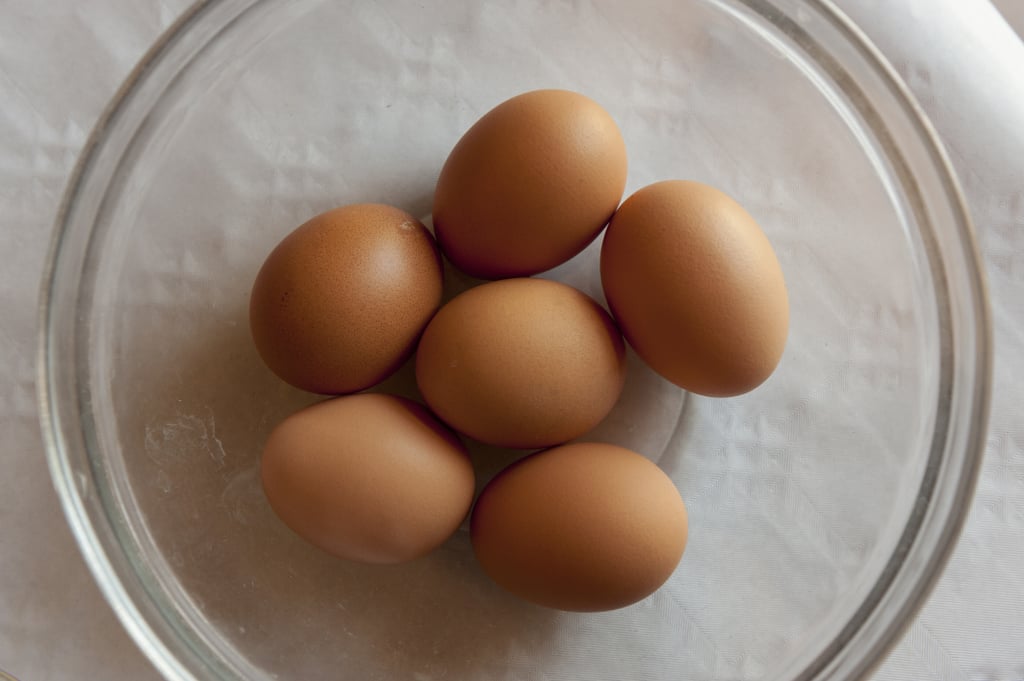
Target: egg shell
(340, 302)
(522, 363)
(583, 527)
(529, 185)
(696, 288)
(370, 477)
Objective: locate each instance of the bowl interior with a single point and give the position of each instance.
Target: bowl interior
(798, 492)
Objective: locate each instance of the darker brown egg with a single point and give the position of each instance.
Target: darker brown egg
(529, 185)
(696, 288)
(340, 303)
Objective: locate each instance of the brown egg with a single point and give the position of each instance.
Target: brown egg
(529, 185)
(696, 288)
(583, 527)
(340, 303)
(523, 363)
(371, 477)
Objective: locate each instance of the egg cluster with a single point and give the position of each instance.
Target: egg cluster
(692, 285)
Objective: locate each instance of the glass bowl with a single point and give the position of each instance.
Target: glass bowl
(823, 505)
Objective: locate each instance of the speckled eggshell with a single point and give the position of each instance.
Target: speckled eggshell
(696, 288)
(582, 527)
(529, 185)
(523, 363)
(370, 477)
(340, 302)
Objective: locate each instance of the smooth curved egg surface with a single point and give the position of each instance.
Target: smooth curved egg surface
(523, 363)
(339, 304)
(583, 527)
(696, 288)
(369, 477)
(529, 185)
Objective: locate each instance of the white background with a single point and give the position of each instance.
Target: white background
(963, 62)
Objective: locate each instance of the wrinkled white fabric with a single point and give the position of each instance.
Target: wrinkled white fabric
(61, 61)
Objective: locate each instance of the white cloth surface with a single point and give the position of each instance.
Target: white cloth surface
(61, 61)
